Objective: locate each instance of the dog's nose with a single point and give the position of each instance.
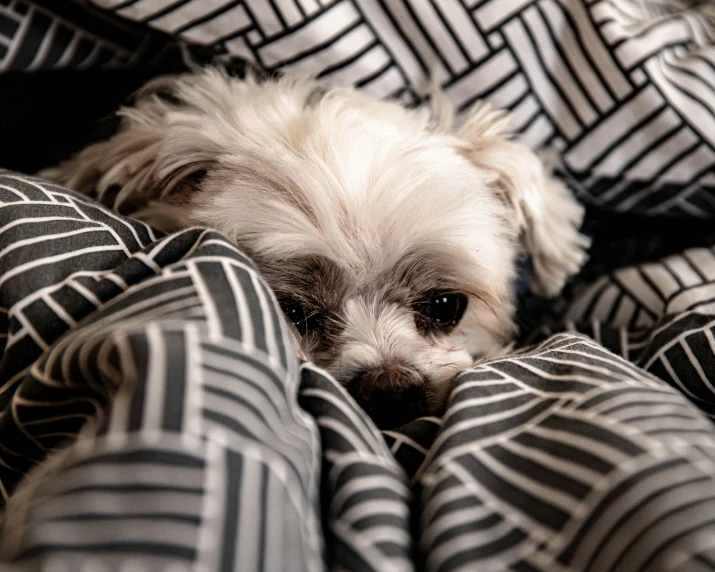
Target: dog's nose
(392, 396)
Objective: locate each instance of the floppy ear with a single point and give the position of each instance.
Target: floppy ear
(545, 214)
(159, 152)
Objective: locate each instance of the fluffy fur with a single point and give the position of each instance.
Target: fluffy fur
(353, 208)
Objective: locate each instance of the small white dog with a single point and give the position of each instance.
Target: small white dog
(389, 238)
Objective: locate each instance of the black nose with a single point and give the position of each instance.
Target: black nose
(392, 396)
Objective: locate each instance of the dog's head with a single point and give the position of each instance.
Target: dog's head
(389, 239)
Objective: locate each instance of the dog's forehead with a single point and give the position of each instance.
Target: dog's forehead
(309, 276)
(384, 277)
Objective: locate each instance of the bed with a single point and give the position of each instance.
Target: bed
(212, 446)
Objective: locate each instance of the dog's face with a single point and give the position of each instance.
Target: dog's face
(390, 241)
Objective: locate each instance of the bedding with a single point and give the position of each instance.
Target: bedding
(213, 447)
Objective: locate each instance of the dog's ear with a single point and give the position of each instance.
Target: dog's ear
(545, 214)
(158, 152)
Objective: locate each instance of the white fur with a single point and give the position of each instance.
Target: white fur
(355, 181)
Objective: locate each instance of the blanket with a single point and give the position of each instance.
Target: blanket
(211, 446)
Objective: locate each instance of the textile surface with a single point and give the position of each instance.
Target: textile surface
(214, 448)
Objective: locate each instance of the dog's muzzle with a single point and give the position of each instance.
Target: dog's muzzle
(392, 396)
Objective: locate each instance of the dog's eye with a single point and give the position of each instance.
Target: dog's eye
(299, 317)
(442, 310)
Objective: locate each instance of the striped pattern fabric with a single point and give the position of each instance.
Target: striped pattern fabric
(176, 353)
(50, 35)
(623, 90)
(207, 445)
(654, 314)
(566, 458)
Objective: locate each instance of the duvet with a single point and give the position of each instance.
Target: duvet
(213, 447)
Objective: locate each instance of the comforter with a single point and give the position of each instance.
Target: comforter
(207, 443)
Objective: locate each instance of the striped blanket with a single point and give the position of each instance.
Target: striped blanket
(208, 445)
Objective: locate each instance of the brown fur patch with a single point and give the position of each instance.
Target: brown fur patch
(319, 286)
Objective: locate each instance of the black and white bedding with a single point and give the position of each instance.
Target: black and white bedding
(213, 447)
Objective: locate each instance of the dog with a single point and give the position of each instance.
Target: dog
(389, 236)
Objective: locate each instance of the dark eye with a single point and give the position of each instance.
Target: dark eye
(300, 317)
(441, 311)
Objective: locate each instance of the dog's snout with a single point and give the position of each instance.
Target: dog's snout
(391, 396)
